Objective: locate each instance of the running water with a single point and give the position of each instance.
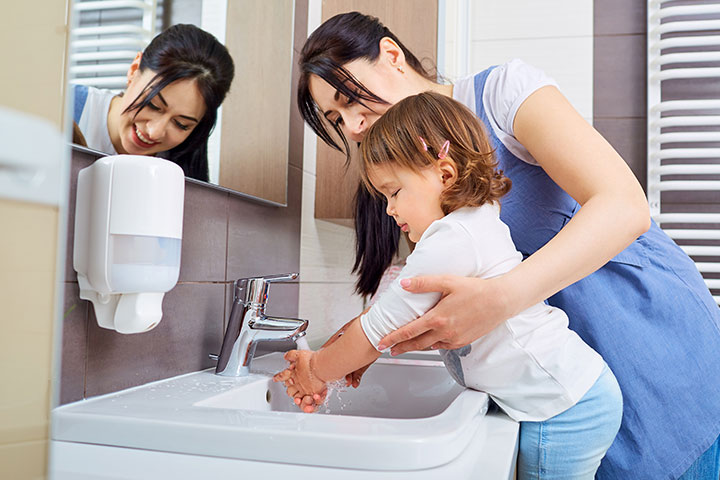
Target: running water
(334, 389)
(302, 343)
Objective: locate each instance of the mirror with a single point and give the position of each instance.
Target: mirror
(247, 152)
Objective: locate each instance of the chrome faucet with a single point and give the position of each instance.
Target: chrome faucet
(248, 324)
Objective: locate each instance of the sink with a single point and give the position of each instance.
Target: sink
(390, 389)
(408, 414)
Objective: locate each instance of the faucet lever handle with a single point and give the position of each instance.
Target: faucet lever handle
(283, 277)
(255, 289)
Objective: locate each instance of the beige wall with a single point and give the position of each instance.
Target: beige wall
(33, 36)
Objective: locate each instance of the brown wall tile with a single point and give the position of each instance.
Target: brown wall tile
(617, 17)
(629, 137)
(264, 240)
(188, 332)
(204, 234)
(74, 345)
(619, 86)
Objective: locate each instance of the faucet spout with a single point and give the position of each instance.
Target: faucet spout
(249, 325)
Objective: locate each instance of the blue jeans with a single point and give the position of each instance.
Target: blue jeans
(571, 444)
(707, 467)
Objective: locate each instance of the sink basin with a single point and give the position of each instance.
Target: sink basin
(390, 389)
(406, 415)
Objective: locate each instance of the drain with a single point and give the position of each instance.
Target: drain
(268, 396)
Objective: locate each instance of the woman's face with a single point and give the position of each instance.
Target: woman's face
(353, 118)
(164, 123)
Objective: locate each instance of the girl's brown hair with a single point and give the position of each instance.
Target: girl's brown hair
(397, 139)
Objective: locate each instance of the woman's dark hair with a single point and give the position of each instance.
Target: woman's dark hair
(187, 52)
(338, 41)
(376, 240)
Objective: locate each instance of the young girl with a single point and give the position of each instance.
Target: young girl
(430, 159)
(174, 89)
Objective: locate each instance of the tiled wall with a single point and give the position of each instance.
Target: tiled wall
(555, 36)
(620, 93)
(225, 237)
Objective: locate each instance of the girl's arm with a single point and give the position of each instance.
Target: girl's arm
(348, 353)
(614, 213)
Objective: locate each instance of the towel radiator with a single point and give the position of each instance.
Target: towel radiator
(683, 118)
(107, 36)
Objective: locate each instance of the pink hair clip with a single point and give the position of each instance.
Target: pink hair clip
(444, 150)
(425, 147)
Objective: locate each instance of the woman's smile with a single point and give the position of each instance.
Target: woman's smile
(141, 140)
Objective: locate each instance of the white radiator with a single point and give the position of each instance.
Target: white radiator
(107, 36)
(683, 176)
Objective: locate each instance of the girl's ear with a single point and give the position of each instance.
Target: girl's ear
(390, 50)
(448, 171)
(134, 66)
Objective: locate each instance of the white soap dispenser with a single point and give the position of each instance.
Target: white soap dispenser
(128, 234)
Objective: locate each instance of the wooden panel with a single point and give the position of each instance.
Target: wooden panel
(256, 112)
(414, 22)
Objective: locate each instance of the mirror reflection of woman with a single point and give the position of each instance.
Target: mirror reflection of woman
(174, 88)
(580, 217)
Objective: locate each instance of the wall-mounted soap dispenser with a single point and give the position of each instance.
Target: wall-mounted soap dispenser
(128, 233)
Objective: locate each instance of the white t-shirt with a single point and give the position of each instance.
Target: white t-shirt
(506, 88)
(532, 365)
(93, 120)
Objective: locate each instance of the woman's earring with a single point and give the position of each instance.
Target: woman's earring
(400, 69)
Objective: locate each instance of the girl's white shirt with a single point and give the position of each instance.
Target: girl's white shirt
(93, 120)
(532, 365)
(506, 88)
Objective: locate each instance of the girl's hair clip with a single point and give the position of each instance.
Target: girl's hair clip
(422, 140)
(444, 150)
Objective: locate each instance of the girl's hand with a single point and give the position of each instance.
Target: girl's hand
(301, 381)
(353, 379)
(468, 309)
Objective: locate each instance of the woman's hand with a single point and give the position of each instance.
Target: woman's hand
(468, 309)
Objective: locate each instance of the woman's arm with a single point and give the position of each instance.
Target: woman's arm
(614, 208)
(613, 213)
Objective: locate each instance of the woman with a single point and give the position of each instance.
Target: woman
(170, 105)
(575, 212)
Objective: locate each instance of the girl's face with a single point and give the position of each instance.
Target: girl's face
(413, 198)
(164, 123)
(380, 77)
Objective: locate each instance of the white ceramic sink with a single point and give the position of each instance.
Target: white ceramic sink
(390, 389)
(406, 415)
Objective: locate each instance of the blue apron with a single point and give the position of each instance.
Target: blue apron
(647, 312)
(80, 97)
